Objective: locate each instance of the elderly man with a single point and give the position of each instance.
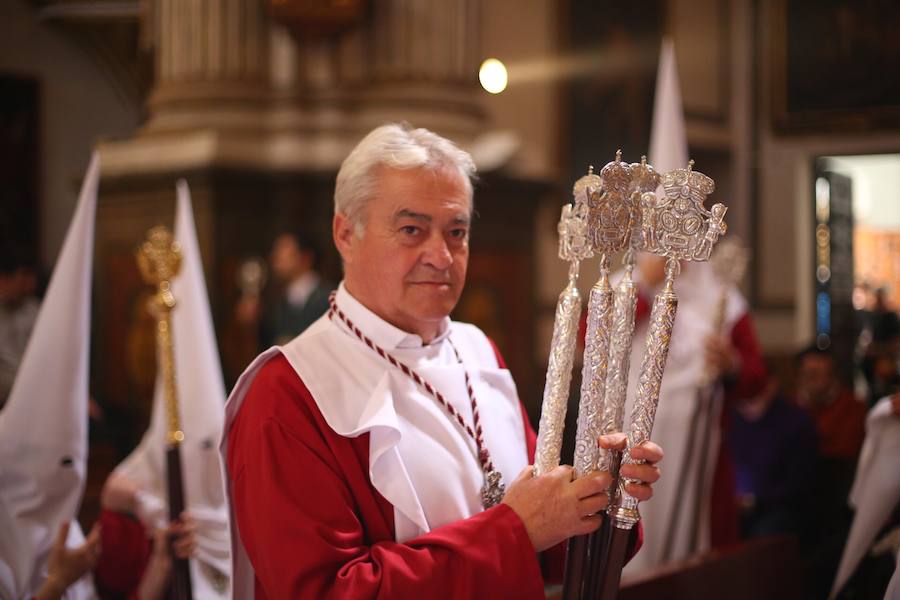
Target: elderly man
(366, 457)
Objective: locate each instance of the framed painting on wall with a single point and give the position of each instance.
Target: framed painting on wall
(834, 65)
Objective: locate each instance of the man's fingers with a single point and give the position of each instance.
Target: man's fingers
(593, 504)
(524, 474)
(94, 535)
(648, 451)
(184, 547)
(613, 441)
(588, 524)
(641, 491)
(646, 473)
(61, 535)
(591, 484)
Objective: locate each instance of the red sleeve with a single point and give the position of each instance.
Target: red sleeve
(751, 378)
(125, 551)
(306, 522)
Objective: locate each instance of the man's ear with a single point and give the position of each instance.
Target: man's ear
(344, 237)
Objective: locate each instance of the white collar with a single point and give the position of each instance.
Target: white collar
(377, 329)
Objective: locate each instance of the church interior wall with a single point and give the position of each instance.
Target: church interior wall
(79, 106)
(725, 68)
(784, 227)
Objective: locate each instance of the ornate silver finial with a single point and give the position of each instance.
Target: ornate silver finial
(677, 225)
(591, 181)
(574, 241)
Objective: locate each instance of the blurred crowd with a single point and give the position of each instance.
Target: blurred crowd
(796, 450)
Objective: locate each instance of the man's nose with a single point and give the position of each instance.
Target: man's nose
(437, 253)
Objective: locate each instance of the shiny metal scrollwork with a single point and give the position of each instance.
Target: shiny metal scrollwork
(677, 227)
(574, 247)
(609, 222)
(653, 365)
(644, 180)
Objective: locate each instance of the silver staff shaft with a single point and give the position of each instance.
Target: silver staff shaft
(593, 374)
(613, 414)
(559, 376)
(624, 510)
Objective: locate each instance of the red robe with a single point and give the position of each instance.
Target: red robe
(313, 525)
(125, 552)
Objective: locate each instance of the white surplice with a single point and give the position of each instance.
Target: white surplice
(420, 460)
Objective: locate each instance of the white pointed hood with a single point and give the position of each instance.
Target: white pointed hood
(201, 401)
(668, 137)
(876, 488)
(44, 425)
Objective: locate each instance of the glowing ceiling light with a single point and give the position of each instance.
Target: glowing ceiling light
(492, 76)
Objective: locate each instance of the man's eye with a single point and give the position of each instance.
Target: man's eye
(459, 233)
(409, 229)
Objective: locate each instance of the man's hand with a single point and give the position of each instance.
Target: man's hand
(640, 475)
(178, 538)
(721, 357)
(555, 507)
(65, 565)
(182, 535)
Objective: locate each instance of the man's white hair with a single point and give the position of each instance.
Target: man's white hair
(397, 146)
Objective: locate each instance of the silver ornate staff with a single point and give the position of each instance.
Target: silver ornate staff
(678, 227)
(609, 226)
(643, 182)
(574, 248)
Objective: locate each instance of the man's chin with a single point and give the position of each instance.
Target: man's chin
(437, 301)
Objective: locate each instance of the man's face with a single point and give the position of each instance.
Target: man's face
(409, 266)
(816, 377)
(287, 260)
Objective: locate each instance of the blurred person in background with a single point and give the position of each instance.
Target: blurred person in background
(302, 296)
(840, 425)
(878, 345)
(838, 414)
(870, 562)
(134, 561)
(773, 444)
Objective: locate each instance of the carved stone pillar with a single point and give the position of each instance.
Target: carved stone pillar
(211, 63)
(416, 60)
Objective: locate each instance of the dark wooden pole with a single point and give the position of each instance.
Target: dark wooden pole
(180, 587)
(615, 560)
(576, 557)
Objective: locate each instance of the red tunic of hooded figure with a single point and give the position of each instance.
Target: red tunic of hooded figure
(125, 552)
(314, 526)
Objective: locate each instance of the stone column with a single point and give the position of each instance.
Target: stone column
(211, 62)
(416, 60)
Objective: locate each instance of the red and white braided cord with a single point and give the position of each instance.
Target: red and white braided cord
(484, 457)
